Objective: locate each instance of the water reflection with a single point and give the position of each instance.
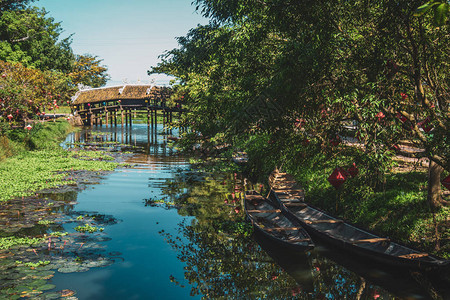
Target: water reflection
(137, 138)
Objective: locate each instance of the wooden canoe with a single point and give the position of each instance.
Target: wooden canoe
(273, 224)
(346, 236)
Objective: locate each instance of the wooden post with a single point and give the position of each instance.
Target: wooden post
(106, 118)
(121, 113)
(131, 116)
(152, 116)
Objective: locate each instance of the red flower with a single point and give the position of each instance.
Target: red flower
(404, 96)
(380, 116)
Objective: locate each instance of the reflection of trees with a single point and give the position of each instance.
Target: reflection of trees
(220, 265)
(224, 261)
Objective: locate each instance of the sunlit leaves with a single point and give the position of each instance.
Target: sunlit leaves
(27, 91)
(33, 39)
(88, 71)
(440, 11)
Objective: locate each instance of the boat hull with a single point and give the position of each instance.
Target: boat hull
(274, 225)
(333, 232)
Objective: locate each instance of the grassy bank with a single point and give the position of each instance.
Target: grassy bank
(31, 161)
(397, 207)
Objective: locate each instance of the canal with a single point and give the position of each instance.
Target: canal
(169, 230)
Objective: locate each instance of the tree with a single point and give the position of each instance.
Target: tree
(333, 64)
(7, 5)
(88, 71)
(27, 92)
(29, 37)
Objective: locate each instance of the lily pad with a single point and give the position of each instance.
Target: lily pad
(46, 287)
(73, 268)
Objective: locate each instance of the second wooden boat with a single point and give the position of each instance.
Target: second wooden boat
(272, 223)
(356, 240)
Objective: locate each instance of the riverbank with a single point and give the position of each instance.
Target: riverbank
(397, 207)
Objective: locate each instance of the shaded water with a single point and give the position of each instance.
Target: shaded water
(201, 246)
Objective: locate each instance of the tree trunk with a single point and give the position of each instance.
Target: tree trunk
(434, 185)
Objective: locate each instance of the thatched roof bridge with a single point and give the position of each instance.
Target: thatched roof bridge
(93, 104)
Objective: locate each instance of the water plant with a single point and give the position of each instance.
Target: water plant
(33, 265)
(45, 222)
(12, 241)
(88, 228)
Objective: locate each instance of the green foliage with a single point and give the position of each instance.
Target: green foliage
(440, 11)
(12, 241)
(370, 70)
(29, 37)
(28, 92)
(88, 71)
(88, 228)
(33, 265)
(45, 222)
(8, 5)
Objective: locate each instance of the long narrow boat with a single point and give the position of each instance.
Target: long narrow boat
(272, 223)
(347, 236)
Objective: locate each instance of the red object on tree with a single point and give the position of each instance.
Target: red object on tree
(395, 147)
(425, 125)
(353, 170)
(380, 116)
(334, 142)
(404, 96)
(337, 178)
(28, 127)
(446, 182)
(299, 123)
(401, 117)
(10, 117)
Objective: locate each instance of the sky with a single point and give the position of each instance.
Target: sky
(128, 35)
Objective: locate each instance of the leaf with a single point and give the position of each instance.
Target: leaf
(423, 9)
(440, 14)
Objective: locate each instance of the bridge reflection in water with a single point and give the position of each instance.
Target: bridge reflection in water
(137, 138)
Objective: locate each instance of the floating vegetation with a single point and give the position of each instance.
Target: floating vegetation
(12, 241)
(33, 265)
(40, 170)
(46, 222)
(88, 228)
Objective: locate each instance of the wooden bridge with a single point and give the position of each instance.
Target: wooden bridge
(108, 104)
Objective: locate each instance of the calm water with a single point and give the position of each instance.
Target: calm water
(200, 248)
